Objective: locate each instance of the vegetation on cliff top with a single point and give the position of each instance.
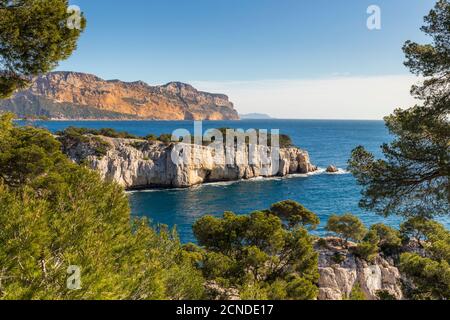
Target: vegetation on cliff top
(421, 248)
(80, 134)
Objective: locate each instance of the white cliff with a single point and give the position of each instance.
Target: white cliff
(341, 271)
(138, 164)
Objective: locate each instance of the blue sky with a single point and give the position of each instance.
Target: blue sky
(229, 44)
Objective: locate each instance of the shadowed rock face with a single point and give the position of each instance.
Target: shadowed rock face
(70, 95)
(139, 164)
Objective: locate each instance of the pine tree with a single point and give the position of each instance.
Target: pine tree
(55, 214)
(34, 36)
(413, 178)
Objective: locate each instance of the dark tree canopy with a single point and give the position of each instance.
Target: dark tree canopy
(432, 60)
(347, 227)
(34, 36)
(429, 271)
(258, 255)
(295, 214)
(413, 177)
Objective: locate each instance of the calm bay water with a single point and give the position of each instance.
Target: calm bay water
(328, 142)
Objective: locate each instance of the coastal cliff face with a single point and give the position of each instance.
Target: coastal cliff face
(339, 278)
(71, 95)
(138, 164)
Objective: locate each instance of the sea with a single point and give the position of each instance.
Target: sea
(329, 142)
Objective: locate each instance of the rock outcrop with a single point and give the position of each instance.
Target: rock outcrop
(341, 271)
(71, 95)
(140, 164)
(332, 169)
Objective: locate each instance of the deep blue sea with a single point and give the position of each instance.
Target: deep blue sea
(328, 142)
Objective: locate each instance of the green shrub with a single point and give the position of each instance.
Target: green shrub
(138, 145)
(430, 270)
(389, 238)
(295, 214)
(73, 132)
(259, 255)
(385, 295)
(151, 137)
(338, 258)
(101, 147)
(347, 227)
(165, 138)
(357, 293)
(55, 214)
(368, 248)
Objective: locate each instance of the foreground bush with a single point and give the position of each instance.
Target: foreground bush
(430, 270)
(55, 214)
(259, 255)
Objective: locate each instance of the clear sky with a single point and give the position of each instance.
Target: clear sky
(288, 58)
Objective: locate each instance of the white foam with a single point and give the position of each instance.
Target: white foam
(319, 171)
(340, 171)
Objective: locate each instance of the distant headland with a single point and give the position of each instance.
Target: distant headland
(81, 96)
(255, 116)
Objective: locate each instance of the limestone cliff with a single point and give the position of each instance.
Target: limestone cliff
(138, 164)
(340, 271)
(71, 95)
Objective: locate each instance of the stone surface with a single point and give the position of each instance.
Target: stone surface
(71, 95)
(220, 293)
(338, 278)
(139, 164)
(332, 169)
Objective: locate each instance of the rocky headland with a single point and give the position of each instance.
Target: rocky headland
(73, 95)
(140, 164)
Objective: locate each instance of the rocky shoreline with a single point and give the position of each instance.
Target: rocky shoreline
(141, 164)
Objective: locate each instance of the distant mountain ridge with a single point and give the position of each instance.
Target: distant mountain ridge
(74, 95)
(255, 116)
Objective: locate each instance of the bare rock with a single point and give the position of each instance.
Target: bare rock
(332, 169)
(138, 164)
(338, 278)
(74, 95)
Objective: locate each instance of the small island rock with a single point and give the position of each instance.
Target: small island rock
(332, 169)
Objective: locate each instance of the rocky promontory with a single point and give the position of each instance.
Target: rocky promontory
(74, 95)
(140, 164)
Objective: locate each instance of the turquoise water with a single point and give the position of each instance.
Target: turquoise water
(328, 142)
